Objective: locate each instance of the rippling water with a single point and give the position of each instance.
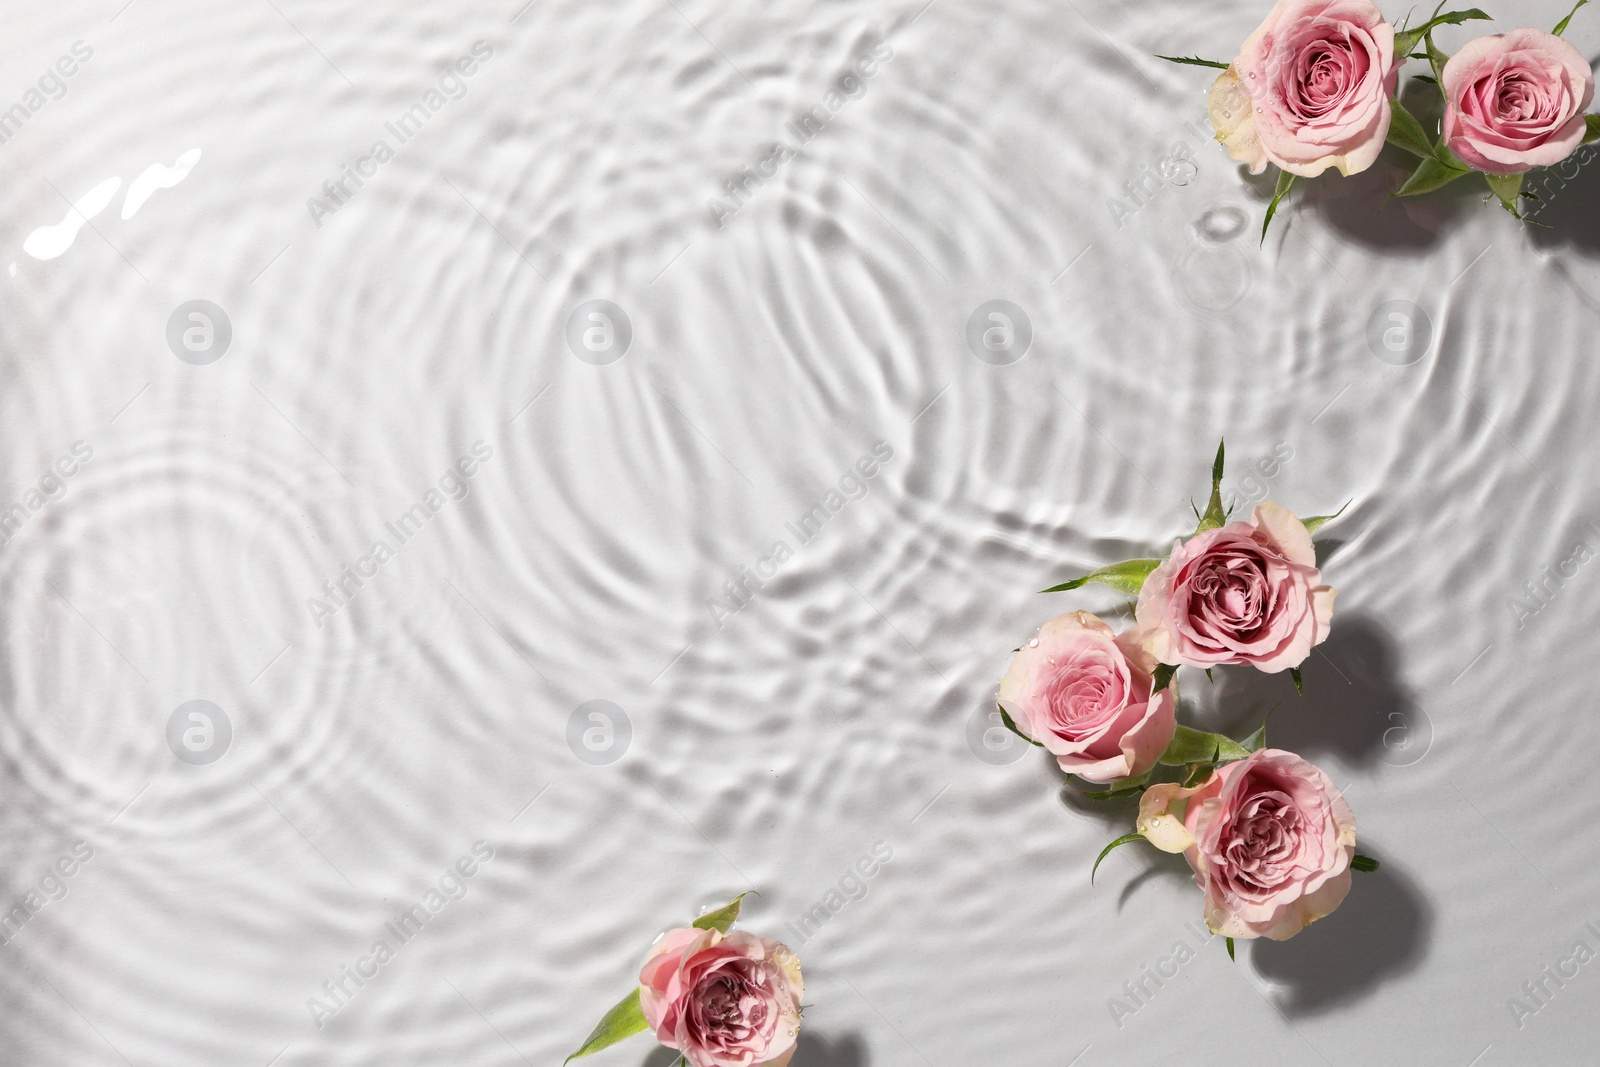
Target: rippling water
(583, 489)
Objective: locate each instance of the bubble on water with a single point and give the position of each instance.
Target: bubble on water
(1221, 224)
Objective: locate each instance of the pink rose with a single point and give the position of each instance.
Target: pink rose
(1247, 592)
(1310, 89)
(1084, 694)
(723, 1000)
(1269, 839)
(1516, 101)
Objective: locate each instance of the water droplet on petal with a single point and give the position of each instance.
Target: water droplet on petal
(1033, 642)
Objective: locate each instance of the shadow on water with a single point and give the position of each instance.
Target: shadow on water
(1324, 966)
(1352, 703)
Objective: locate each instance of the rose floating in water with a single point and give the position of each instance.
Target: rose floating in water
(1315, 87)
(1086, 695)
(720, 998)
(1270, 841)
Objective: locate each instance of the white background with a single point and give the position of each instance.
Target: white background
(771, 747)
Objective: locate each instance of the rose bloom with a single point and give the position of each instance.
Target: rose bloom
(1310, 89)
(1269, 840)
(723, 1000)
(1246, 592)
(1084, 694)
(1516, 101)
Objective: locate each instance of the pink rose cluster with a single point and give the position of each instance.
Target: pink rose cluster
(1270, 841)
(1314, 88)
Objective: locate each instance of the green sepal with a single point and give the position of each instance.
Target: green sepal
(1210, 677)
(1317, 522)
(723, 918)
(1005, 719)
(1125, 577)
(1299, 684)
(1196, 746)
(1279, 195)
(1405, 132)
(1214, 515)
(1406, 40)
(1507, 187)
(1195, 61)
(1561, 27)
(1123, 840)
(1230, 949)
(1436, 59)
(1365, 864)
(622, 1021)
(1593, 124)
(1161, 677)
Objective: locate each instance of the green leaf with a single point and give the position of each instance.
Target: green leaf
(622, 1021)
(1406, 40)
(1299, 685)
(1009, 725)
(1279, 195)
(1561, 27)
(1406, 132)
(1123, 840)
(1429, 78)
(1430, 174)
(1161, 677)
(1365, 864)
(1197, 746)
(723, 918)
(1593, 122)
(1258, 740)
(1126, 577)
(1214, 515)
(1230, 949)
(1195, 61)
(1507, 187)
(1122, 787)
(1317, 522)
